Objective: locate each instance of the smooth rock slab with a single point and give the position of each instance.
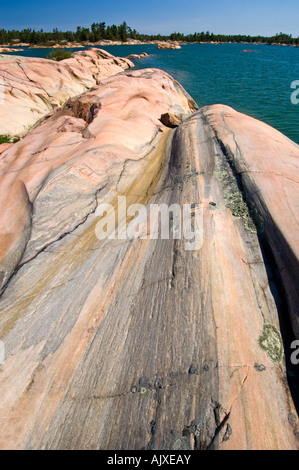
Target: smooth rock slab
(31, 87)
(80, 151)
(140, 344)
(267, 164)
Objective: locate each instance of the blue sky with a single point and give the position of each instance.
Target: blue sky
(265, 17)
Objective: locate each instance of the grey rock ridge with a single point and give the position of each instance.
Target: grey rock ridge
(143, 343)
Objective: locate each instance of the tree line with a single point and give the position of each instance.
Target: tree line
(123, 32)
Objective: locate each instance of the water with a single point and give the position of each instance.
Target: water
(256, 83)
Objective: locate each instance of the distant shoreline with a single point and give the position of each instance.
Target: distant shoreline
(101, 34)
(15, 47)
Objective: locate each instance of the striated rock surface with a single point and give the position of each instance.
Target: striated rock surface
(267, 165)
(31, 87)
(141, 343)
(99, 130)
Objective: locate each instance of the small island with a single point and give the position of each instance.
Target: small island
(169, 45)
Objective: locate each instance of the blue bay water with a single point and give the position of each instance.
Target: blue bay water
(257, 83)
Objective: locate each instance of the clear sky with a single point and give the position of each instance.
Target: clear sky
(265, 17)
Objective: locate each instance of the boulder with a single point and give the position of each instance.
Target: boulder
(170, 120)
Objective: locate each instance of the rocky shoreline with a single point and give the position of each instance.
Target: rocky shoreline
(141, 343)
(9, 49)
(132, 42)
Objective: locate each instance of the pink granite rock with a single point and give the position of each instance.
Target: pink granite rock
(122, 114)
(32, 87)
(267, 163)
(5, 146)
(141, 343)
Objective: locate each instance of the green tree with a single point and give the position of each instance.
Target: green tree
(123, 32)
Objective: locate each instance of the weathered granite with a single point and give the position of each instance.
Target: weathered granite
(267, 165)
(142, 344)
(31, 87)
